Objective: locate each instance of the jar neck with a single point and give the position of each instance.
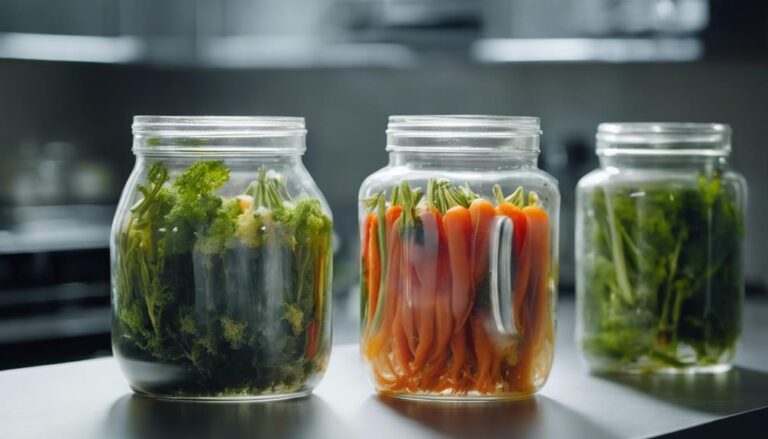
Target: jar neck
(463, 160)
(272, 160)
(218, 135)
(662, 161)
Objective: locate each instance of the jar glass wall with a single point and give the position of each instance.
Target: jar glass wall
(659, 232)
(221, 261)
(459, 260)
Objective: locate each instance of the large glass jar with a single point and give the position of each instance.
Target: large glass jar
(459, 260)
(659, 230)
(221, 261)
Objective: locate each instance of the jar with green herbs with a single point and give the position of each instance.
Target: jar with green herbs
(659, 235)
(221, 261)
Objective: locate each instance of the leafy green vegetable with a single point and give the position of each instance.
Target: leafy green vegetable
(221, 297)
(661, 283)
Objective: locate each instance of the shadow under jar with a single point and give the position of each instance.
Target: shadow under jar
(221, 261)
(659, 231)
(459, 260)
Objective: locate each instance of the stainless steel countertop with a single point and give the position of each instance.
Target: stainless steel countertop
(90, 399)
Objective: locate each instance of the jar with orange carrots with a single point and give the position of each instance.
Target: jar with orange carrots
(458, 257)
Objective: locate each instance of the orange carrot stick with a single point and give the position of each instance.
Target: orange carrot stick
(365, 236)
(521, 247)
(400, 345)
(518, 219)
(482, 348)
(393, 213)
(383, 234)
(538, 326)
(373, 259)
(482, 212)
(458, 228)
(426, 260)
(313, 329)
(458, 353)
(410, 287)
(365, 231)
(311, 349)
(430, 377)
(377, 343)
(443, 316)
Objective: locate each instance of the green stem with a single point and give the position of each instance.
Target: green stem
(533, 198)
(498, 194)
(431, 194)
(619, 262)
(665, 326)
(382, 215)
(517, 197)
(471, 195)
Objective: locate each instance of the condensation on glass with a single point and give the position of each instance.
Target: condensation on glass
(221, 261)
(459, 260)
(659, 234)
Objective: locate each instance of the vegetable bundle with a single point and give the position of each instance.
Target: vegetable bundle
(221, 297)
(425, 281)
(660, 274)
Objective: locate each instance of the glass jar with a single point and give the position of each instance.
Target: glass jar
(459, 260)
(659, 231)
(221, 261)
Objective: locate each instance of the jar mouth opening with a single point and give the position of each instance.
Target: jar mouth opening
(463, 132)
(663, 139)
(243, 134)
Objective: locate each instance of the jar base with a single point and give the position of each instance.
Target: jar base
(244, 398)
(454, 398)
(650, 370)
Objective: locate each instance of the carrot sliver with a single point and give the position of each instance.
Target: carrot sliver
(520, 221)
(410, 287)
(400, 346)
(482, 350)
(458, 353)
(443, 316)
(457, 223)
(373, 260)
(426, 262)
(365, 290)
(393, 213)
(482, 213)
(379, 339)
(537, 329)
(521, 248)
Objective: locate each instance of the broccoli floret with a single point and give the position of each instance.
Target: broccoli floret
(234, 332)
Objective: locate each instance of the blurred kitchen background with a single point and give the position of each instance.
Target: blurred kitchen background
(72, 75)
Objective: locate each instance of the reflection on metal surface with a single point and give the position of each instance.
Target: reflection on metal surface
(140, 417)
(499, 50)
(740, 389)
(538, 416)
(90, 400)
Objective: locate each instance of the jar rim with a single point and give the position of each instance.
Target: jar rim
(463, 133)
(218, 134)
(663, 138)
